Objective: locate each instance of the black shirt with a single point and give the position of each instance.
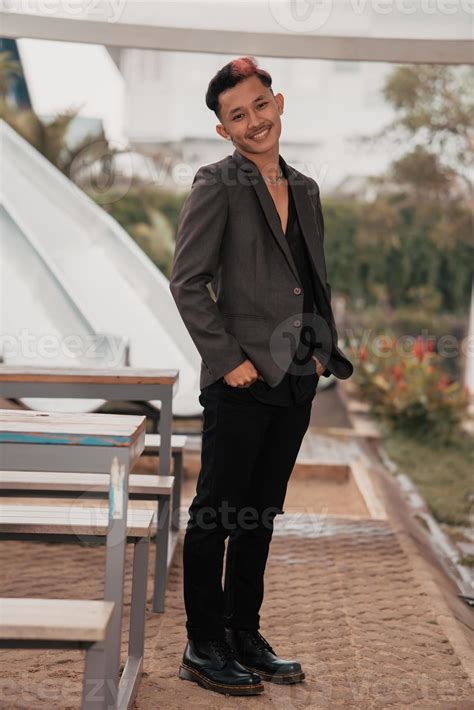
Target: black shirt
(294, 388)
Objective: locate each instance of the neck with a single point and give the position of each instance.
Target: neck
(268, 163)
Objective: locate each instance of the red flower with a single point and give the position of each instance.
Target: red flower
(397, 372)
(418, 348)
(362, 353)
(385, 344)
(443, 382)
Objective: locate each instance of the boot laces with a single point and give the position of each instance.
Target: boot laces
(222, 649)
(259, 641)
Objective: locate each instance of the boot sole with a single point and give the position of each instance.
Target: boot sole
(188, 673)
(280, 679)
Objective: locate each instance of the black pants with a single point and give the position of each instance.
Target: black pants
(249, 449)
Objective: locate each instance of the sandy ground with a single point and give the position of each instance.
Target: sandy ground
(343, 599)
(342, 596)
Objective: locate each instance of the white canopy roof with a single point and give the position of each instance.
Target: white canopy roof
(75, 287)
(380, 30)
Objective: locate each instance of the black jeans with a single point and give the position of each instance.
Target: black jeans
(249, 449)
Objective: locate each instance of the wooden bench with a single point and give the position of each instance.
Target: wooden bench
(62, 623)
(92, 443)
(116, 384)
(140, 487)
(124, 384)
(68, 523)
(152, 448)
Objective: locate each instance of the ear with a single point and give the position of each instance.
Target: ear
(222, 132)
(280, 102)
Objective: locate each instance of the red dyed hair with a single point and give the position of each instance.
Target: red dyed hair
(230, 75)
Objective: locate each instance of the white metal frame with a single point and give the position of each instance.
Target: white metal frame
(297, 45)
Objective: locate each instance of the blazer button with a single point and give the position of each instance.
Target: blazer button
(297, 291)
(297, 323)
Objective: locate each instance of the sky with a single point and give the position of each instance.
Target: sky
(65, 75)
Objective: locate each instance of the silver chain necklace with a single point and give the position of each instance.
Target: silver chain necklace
(274, 181)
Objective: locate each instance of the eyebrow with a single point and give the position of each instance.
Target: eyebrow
(240, 108)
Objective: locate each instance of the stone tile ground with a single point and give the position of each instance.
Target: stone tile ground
(341, 597)
(359, 601)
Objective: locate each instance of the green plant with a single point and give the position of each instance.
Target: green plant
(150, 216)
(49, 137)
(410, 391)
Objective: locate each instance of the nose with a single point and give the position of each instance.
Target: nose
(253, 120)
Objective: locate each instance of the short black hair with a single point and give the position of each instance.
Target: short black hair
(230, 75)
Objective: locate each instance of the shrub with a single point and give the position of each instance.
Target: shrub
(411, 392)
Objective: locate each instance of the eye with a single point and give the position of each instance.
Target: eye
(263, 103)
(236, 117)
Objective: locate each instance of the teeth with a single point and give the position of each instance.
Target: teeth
(261, 133)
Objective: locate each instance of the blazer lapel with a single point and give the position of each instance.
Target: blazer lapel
(307, 221)
(297, 184)
(268, 206)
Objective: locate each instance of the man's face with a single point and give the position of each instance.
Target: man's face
(250, 116)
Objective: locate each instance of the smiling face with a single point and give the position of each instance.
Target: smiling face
(250, 116)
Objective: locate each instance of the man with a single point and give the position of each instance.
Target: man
(252, 228)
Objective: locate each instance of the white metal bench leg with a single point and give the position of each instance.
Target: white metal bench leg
(161, 553)
(114, 583)
(133, 670)
(96, 693)
(166, 421)
(178, 474)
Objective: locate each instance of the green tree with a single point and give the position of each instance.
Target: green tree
(434, 107)
(421, 219)
(49, 138)
(149, 216)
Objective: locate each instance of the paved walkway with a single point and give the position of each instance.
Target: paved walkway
(341, 597)
(354, 596)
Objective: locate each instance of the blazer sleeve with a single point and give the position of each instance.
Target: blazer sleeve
(200, 230)
(315, 196)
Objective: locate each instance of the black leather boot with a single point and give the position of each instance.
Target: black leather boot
(256, 654)
(213, 665)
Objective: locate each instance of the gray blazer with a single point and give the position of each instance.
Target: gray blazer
(230, 237)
